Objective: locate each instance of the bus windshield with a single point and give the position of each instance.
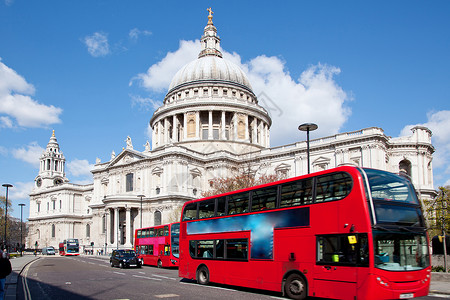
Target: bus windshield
(400, 251)
(390, 187)
(394, 199)
(175, 234)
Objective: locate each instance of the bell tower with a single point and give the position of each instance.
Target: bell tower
(52, 165)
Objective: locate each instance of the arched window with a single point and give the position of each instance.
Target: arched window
(53, 231)
(157, 218)
(405, 167)
(38, 234)
(88, 230)
(129, 182)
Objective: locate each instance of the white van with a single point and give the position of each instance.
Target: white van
(48, 251)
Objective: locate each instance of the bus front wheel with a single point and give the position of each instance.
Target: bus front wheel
(159, 264)
(203, 275)
(295, 287)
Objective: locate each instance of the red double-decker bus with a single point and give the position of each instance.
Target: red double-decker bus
(343, 233)
(159, 245)
(69, 247)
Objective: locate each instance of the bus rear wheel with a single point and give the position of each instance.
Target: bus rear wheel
(159, 264)
(203, 275)
(295, 287)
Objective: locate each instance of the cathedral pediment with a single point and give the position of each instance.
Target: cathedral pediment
(127, 156)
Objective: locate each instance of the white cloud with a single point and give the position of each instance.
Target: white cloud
(78, 167)
(16, 102)
(21, 190)
(3, 151)
(30, 154)
(313, 97)
(6, 122)
(159, 75)
(135, 33)
(439, 123)
(145, 103)
(97, 44)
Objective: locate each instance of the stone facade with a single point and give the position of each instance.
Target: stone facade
(210, 125)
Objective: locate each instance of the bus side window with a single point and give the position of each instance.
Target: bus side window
(205, 249)
(296, 193)
(333, 187)
(238, 203)
(220, 249)
(192, 247)
(190, 211)
(344, 249)
(237, 249)
(150, 249)
(206, 208)
(166, 230)
(264, 198)
(221, 206)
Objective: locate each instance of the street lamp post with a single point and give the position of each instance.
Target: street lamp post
(7, 186)
(307, 127)
(141, 196)
(21, 229)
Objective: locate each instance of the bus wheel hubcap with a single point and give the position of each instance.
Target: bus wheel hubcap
(296, 287)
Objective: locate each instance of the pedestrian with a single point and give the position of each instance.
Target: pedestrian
(5, 270)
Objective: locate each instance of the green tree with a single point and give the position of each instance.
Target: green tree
(437, 212)
(240, 181)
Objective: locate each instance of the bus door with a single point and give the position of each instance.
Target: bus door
(335, 272)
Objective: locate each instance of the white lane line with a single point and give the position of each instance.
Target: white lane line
(119, 273)
(146, 277)
(165, 277)
(210, 286)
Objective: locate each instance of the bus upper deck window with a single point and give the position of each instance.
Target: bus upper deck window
(190, 211)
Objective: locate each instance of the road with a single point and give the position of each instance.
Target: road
(86, 277)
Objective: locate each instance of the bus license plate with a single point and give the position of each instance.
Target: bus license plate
(407, 296)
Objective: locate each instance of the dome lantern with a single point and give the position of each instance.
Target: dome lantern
(210, 41)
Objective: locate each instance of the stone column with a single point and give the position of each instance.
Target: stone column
(166, 131)
(197, 125)
(174, 129)
(116, 226)
(185, 126)
(223, 137)
(210, 125)
(128, 227)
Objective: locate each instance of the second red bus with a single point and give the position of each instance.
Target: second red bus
(158, 245)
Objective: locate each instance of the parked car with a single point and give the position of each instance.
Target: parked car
(48, 251)
(125, 259)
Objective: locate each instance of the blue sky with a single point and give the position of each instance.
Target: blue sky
(94, 71)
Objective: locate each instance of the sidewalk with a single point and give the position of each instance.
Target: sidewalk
(17, 265)
(440, 282)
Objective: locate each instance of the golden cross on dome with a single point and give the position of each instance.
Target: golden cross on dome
(210, 16)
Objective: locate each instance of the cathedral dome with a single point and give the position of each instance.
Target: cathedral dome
(210, 68)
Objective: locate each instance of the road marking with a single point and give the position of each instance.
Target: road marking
(26, 289)
(167, 296)
(165, 277)
(119, 273)
(209, 286)
(146, 277)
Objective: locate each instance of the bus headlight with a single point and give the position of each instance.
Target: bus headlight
(383, 281)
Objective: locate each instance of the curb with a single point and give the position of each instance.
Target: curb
(11, 285)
